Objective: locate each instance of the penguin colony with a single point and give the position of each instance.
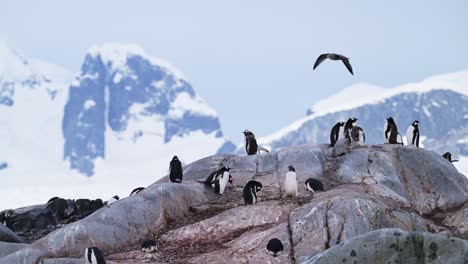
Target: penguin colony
(346, 133)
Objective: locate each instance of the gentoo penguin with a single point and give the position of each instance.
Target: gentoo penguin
(347, 130)
(213, 177)
(412, 134)
(251, 146)
(335, 133)
(391, 135)
(357, 136)
(314, 185)
(149, 246)
(334, 56)
(137, 190)
(290, 183)
(274, 247)
(222, 180)
(175, 170)
(4, 217)
(112, 200)
(448, 156)
(250, 192)
(94, 256)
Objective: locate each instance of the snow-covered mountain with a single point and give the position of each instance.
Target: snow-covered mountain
(119, 120)
(440, 103)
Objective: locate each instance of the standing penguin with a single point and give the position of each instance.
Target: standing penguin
(94, 256)
(213, 177)
(250, 192)
(175, 170)
(347, 130)
(251, 146)
(412, 134)
(448, 156)
(274, 247)
(290, 183)
(314, 185)
(391, 135)
(357, 136)
(222, 180)
(335, 133)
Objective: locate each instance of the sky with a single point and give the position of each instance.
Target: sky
(252, 60)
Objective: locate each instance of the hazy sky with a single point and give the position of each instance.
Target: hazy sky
(252, 60)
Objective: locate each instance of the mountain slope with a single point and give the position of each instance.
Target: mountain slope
(440, 104)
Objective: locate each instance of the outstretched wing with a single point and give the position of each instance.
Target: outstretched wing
(319, 60)
(347, 64)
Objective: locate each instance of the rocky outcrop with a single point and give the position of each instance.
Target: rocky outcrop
(6, 235)
(369, 188)
(396, 246)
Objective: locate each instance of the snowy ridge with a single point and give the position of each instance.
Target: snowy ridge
(363, 94)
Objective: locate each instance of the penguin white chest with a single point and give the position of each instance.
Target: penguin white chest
(290, 184)
(385, 132)
(223, 182)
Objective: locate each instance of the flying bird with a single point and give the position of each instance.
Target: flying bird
(334, 56)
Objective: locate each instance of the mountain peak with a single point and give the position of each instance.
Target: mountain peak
(117, 54)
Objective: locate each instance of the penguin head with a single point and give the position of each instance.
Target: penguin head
(116, 197)
(175, 158)
(291, 168)
(258, 186)
(353, 119)
(246, 132)
(415, 123)
(341, 123)
(447, 156)
(390, 120)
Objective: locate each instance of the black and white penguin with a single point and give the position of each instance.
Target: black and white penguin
(222, 180)
(290, 183)
(250, 192)
(112, 200)
(94, 256)
(314, 185)
(335, 133)
(251, 146)
(274, 247)
(448, 156)
(357, 136)
(213, 177)
(391, 135)
(175, 170)
(5, 217)
(149, 246)
(347, 130)
(412, 134)
(137, 190)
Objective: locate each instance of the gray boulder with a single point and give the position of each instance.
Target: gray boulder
(395, 246)
(6, 248)
(7, 235)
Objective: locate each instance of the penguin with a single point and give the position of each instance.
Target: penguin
(290, 183)
(347, 129)
(412, 134)
(335, 133)
(112, 200)
(314, 185)
(58, 208)
(211, 180)
(149, 246)
(4, 217)
(391, 135)
(250, 192)
(222, 180)
(251, 146)
(175, 170)
(274, 247)
(94, 256)
(137, 190)
(448, 156)
(357, 136)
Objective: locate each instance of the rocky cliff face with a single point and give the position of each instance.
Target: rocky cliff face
(370, 189)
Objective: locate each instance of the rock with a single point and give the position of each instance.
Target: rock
(7, 235)
(343, 213)
(8, 248)
(113, 228)
(395, 246)
(368, 188)
(63, 261)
